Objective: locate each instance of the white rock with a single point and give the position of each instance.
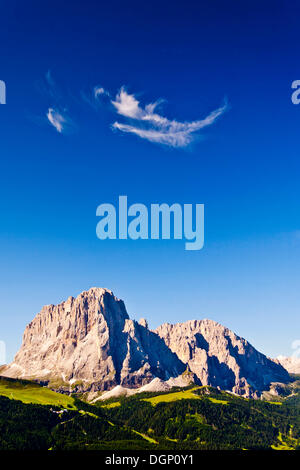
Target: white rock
(291, 364)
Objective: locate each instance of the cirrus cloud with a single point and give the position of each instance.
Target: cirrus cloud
(149, 125)
(100, 91)
(60, 120)
(56, 119)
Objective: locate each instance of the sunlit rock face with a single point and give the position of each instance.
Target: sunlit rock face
(220, 358)
(89, 343)
(291, 364)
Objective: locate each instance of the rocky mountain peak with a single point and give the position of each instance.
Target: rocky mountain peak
(219, 357)
(143, 322)
(291, 364)
(89, 343)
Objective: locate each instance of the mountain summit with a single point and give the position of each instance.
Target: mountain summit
(89, 343)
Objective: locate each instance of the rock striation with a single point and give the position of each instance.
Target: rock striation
(89, 344)
(291, 364)
(220, 358)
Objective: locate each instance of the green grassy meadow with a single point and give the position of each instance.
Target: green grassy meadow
(29, 392)
(182, 395)
(33, 417)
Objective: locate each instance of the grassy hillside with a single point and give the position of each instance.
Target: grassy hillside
(33, 417)
(30, 392)
(183, 395)
(205, 418)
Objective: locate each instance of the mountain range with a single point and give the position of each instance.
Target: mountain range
(89, 344)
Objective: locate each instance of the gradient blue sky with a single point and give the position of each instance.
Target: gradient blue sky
(244, 168)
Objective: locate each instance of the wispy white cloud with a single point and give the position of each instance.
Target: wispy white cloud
(49, 88)
(59, 120)
(171, 138)
(145, 121)
(156, 128)
(49, 79)
(56, 119)
(57, 114)
(100, 91)
(95, 97)
(127, 105)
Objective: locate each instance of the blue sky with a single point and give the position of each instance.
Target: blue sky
(188, 57)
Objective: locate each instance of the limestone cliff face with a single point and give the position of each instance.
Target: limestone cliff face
(89, 343)
(291, 364)
(218, 357)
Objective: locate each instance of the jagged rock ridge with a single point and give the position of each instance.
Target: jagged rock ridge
(220, 358)
(291, 364)
(90, 344)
